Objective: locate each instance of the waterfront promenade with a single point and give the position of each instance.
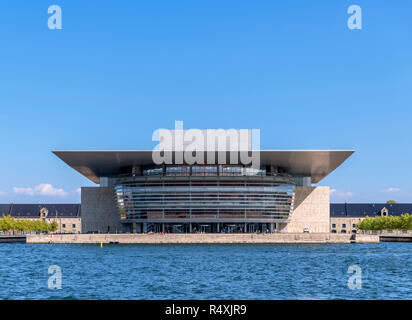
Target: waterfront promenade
(12, 238)
(207, 238)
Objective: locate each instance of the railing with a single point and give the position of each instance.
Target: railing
(386, 232)
(287, 177)
(20, 233)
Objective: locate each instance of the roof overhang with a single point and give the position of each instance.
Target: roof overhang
(105, 163)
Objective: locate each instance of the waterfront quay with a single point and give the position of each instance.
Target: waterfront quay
(12, 238)
(157, 238)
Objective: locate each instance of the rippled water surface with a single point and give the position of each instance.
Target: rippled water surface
(206, 271)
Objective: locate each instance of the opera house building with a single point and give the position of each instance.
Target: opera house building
(136, 195)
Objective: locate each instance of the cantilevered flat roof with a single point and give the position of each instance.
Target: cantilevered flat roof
(105, 163)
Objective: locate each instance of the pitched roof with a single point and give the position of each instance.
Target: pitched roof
(33, 210)
(368, 209)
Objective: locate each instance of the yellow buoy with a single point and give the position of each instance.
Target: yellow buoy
(101, 243)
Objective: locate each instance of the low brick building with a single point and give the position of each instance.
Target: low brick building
(344, 217)
(67, 216)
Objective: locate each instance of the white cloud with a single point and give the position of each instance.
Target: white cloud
(28, 191)
(78, 190)
(340, 193)
(392, 190)
(44, 189)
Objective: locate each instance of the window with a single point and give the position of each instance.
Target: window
(343, 225)
(333, 225)
(255, 172)
(354, 225)
(343, 231)
(153, 172)
(178, 171)
(333, 231)
(63, 225)
(204, 171)
(231, 170)
(73, 226)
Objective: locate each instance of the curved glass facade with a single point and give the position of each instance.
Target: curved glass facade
(204, 193)
(202, 171)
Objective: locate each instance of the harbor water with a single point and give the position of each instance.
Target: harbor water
(376, 271)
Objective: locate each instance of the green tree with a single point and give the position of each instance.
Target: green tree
(391, 202)
(8, 223)
(53, 226)
(403, 222)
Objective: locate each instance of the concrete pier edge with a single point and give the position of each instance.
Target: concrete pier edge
(292, 238)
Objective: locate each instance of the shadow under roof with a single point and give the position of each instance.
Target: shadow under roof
(106, 163)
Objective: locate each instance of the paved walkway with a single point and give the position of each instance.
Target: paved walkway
(201, 238)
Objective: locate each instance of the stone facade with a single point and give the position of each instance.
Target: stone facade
(310, 214)
(311, 210)
(68, 225)
(64, 224)
(99, 211)
(349, 224)
(344, 224)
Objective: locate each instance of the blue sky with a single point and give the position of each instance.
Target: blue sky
(118, 70)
